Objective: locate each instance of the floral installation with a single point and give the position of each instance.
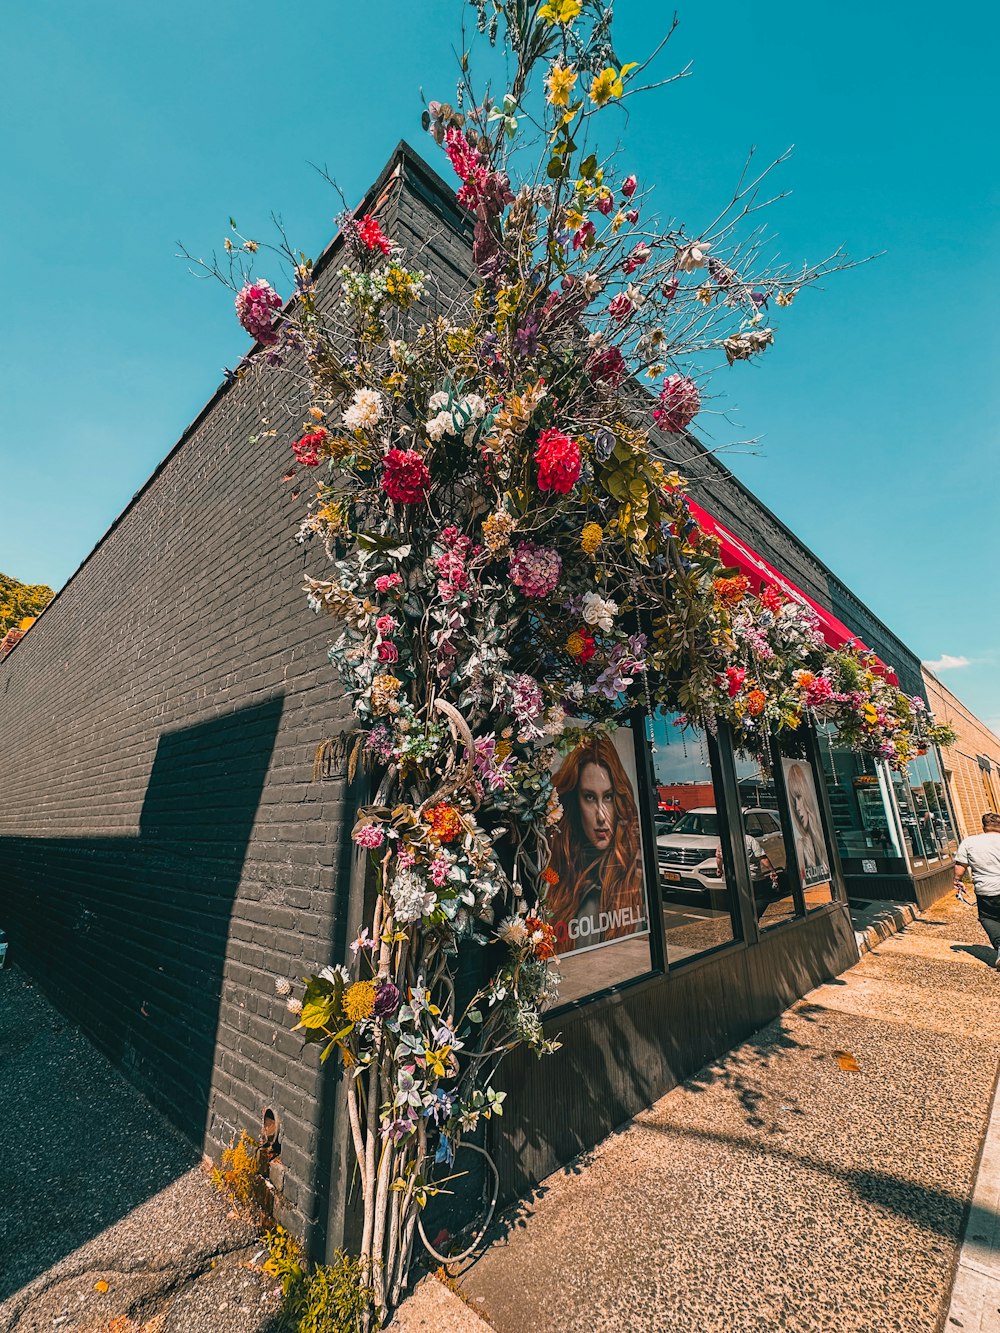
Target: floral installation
(511, 547)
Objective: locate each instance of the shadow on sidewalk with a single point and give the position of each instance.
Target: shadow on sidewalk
(128, 936)
(982, 952)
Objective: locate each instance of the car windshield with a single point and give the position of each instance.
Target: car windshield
(704, 825)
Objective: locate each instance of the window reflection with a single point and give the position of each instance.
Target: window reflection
(767, 855)
(698, 898)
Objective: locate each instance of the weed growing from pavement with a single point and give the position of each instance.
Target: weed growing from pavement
(326, 1298)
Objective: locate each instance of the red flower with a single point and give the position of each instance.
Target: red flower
(583, 235)
(371, 235)
(629, 185)
(405, 476)
(558, 459)
(388, 652)
(735, 676)
(445, 822)
(770, 599)
(306, 450)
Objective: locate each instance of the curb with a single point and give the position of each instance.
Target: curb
(879, 922)
(974, 1304)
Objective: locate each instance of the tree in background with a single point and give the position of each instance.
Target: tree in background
(21, 602)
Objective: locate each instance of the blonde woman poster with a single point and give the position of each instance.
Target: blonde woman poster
(597, 891)
(807, 826)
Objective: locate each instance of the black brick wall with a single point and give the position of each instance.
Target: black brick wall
(164, 850)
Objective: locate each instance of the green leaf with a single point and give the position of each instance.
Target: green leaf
(588, 167)
(316, 1013)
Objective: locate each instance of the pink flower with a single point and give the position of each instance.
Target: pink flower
(558, 459)
(535, 569)
(370, 836)
(371, 235)
(388, 652)
(387, 582)
(254, 309)
(584, 235)
(386, 625)
(680, 402)
(620, 307)
(439, 870)
(670, 289)
(632, 216)
(605, 203)
(637, 258)
(629, 185)
(405, 476)
(608, 366)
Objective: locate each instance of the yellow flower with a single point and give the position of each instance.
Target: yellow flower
(359, 1001)
(560, 11)
(869, 714)
(574, 218)
(609, 83)
(591, 538)
(705, 294)
(560, 84)
(503, 750)
(616, 222)
(317, 413)
(574, 644)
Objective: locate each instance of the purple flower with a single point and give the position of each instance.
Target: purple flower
(387, 999)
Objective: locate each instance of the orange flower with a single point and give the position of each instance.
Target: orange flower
(445, 822)
(756, 702)
(541, 938)
(730, 592)
(550, 876)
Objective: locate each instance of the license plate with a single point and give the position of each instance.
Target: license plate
(671, 875)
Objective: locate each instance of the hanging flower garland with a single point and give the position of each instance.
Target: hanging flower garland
(512, 560)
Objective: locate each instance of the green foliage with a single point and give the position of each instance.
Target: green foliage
(21, 601)
(329, 1298)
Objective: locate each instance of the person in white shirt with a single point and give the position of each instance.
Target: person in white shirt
(981, 855)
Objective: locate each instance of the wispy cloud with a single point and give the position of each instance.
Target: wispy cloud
(948, 663)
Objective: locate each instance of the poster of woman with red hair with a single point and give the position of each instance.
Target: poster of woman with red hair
(596, 893)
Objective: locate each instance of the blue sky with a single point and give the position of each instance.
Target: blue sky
(128, 128)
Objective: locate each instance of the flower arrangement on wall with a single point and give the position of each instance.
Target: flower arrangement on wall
(512, 559)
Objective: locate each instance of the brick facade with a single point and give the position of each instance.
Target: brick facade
(972, 764)
(165, 852)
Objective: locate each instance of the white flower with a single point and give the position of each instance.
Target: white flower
(599, 611)
(411, 898)
(595, 340)
(555, 720)
(575, 691)
(636, 296)
(513, 931)
(332, 973)
(590, 286)
(440, 425)
(474, 405)
(691, 256)
(437, 401)
(293, 1005)
(282, 986)
(364, 411)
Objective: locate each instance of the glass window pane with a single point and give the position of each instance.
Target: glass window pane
(767, 858)
(864, 821)
(698, 899)
(598, 900)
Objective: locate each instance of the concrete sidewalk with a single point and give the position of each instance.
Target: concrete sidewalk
(782, 1188)
(777, 1189)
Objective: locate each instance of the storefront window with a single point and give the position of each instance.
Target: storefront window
(698, 895)
(863, 818)
(764, 839)
(597, 900)
(927, 784)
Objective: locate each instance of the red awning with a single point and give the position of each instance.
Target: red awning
(737, 554)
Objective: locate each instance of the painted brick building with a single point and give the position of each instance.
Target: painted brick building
(167, 849)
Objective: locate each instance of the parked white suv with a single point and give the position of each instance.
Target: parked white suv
(690, 855)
